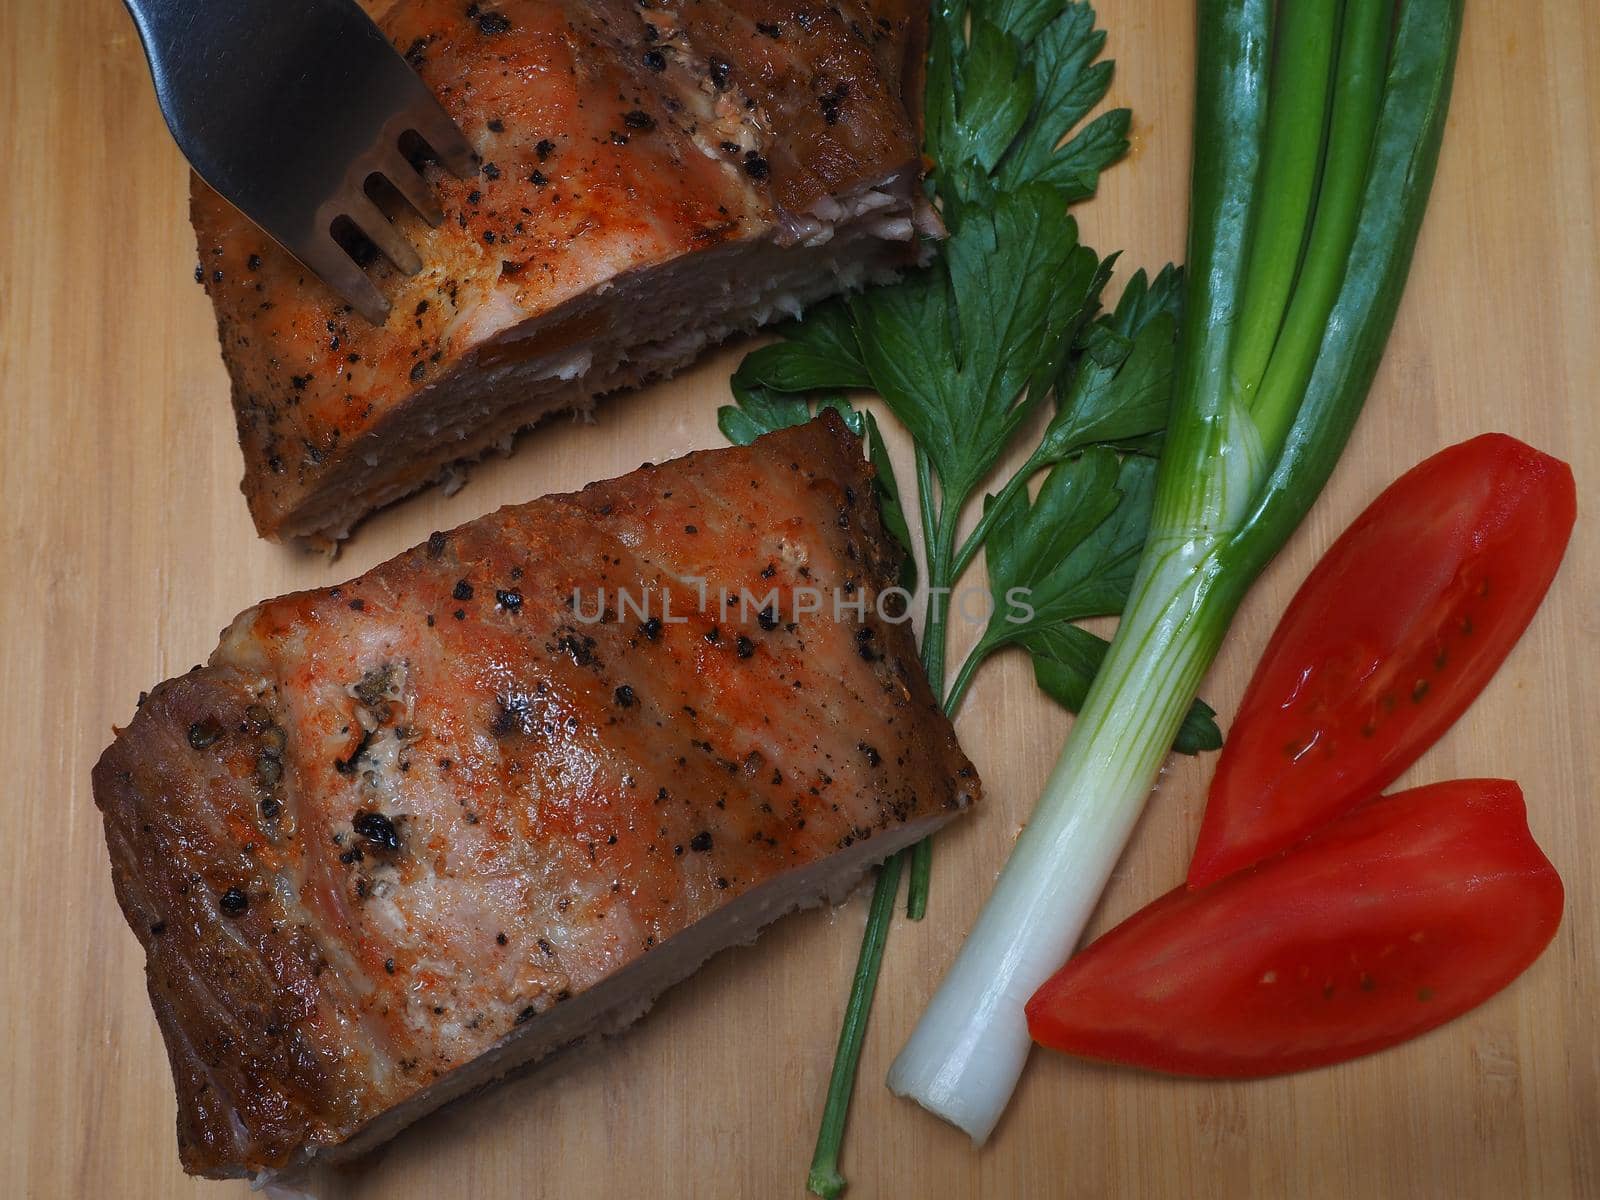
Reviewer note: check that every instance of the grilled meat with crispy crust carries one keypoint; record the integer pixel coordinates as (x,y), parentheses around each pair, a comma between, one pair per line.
(405,834)
(654,178)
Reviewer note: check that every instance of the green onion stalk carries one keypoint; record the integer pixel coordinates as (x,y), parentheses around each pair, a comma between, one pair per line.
(1317,132)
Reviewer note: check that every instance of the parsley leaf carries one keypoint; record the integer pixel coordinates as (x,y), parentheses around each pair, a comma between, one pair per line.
(1068,82)
(1071,553)
(997,96)
(1002,102)
(757,410)
(817,353)
(1117,390)
(954,348)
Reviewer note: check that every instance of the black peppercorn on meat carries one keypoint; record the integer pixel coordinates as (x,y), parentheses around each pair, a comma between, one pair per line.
(654,177)
(403,835)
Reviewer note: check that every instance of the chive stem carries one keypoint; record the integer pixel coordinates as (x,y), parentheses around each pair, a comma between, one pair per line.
(925,498)
(941,550)
(978,655)
(921,875)
(824,1179)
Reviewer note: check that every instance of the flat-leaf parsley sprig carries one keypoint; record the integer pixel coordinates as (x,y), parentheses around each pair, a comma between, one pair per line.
(963,352)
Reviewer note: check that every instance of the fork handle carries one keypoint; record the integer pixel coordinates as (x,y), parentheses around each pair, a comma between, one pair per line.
(213,60)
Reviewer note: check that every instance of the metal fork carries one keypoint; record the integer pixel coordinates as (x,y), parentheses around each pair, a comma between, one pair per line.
(294,113)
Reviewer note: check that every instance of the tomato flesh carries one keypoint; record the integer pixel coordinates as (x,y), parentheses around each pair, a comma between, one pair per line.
(1390,638)
(1392,920)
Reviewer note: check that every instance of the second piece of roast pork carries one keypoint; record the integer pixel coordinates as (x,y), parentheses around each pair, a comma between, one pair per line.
(654,178)
(403,835)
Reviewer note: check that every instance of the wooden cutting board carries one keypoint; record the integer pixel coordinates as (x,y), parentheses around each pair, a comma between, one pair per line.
(126,548)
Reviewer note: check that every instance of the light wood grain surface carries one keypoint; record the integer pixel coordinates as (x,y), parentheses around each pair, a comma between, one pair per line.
(126,547)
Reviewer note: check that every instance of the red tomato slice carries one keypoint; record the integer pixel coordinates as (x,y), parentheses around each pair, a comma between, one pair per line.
(1398,917)
(1390,638)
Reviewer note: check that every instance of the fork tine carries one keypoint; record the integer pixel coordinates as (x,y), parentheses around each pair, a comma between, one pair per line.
(392,165)
(369,218)
(367,93)
(328,260)
(434,126)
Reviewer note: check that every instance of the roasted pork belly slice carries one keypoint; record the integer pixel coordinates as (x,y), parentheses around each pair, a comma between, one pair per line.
(654,178)
(405,834)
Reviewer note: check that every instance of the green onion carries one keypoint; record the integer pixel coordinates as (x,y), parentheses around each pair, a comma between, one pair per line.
(1242,462)
(1300,81)
(1363,49)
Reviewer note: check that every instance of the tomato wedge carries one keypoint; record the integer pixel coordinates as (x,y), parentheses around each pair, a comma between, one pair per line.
(1390,638)
(1396,918)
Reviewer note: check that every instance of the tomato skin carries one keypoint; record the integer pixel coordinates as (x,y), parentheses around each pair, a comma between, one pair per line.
(1397,918)
(1390,638)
